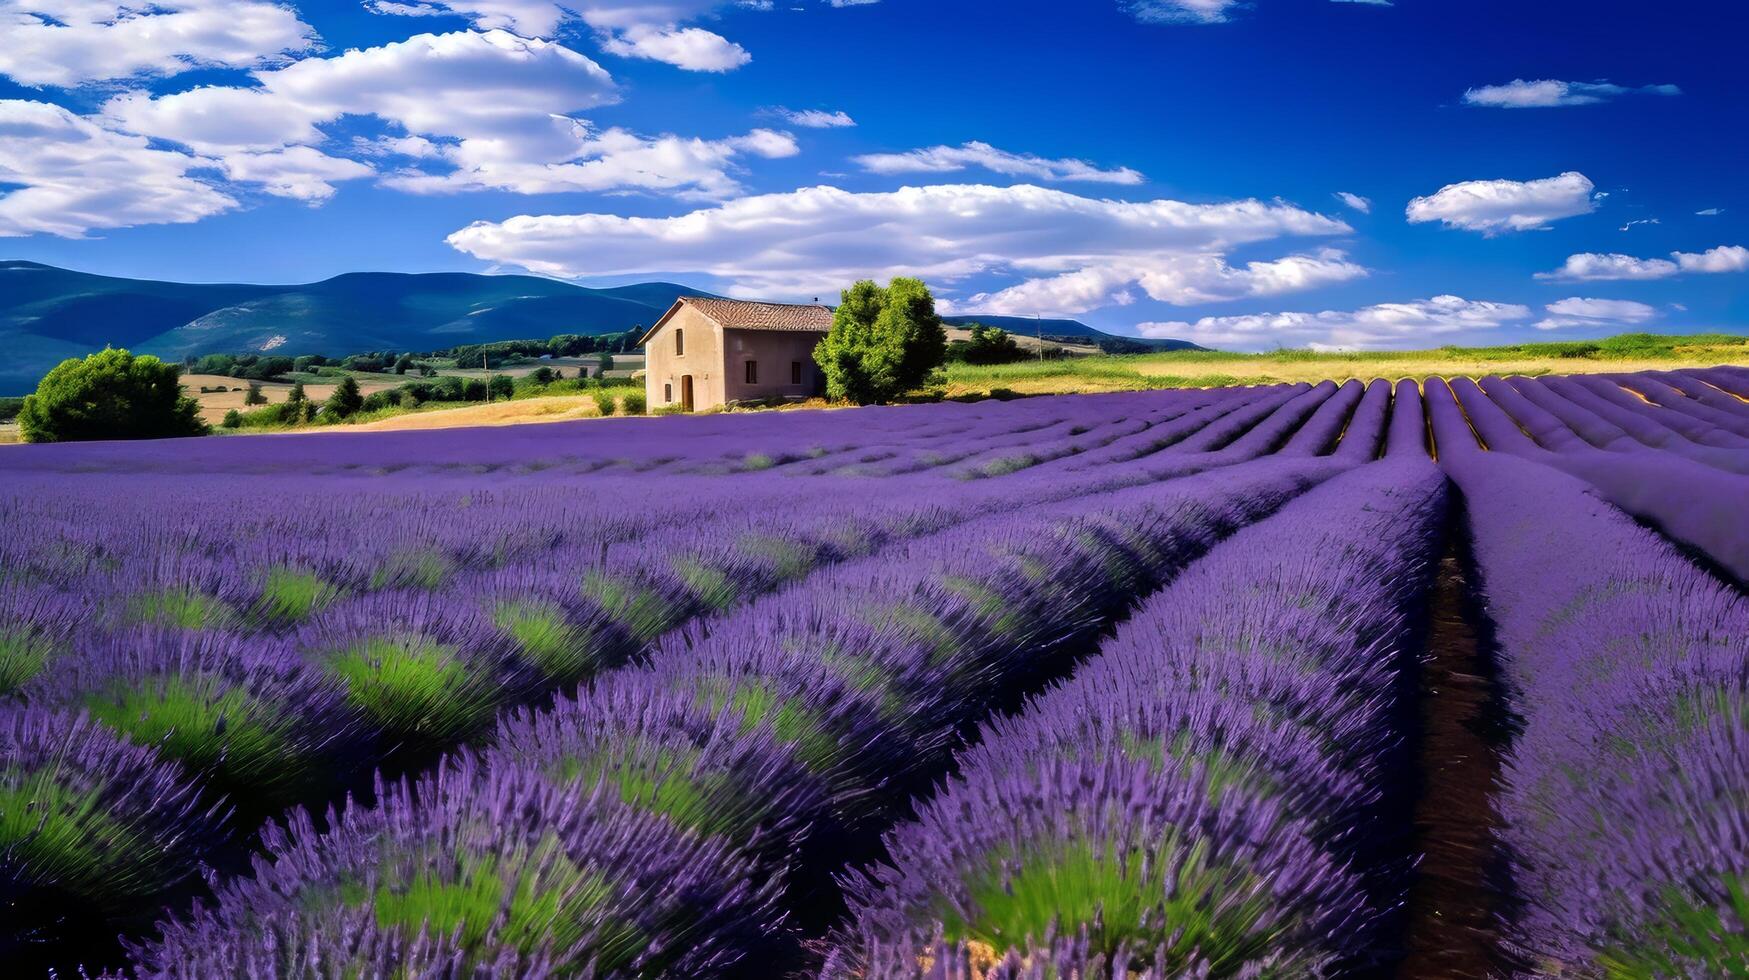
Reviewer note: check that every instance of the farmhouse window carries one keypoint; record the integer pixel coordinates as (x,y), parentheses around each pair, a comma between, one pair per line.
(752,372)
(667,393)
(795,372)
(679,342)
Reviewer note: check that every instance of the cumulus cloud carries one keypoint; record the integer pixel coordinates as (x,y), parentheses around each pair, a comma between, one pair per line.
(298,172)
(1578,311)
(950,159)
(1495,206)
(1382,326)
(470,110)
(813,118)
(1179,11)
(1725,258)
(1600,267)
(1181,280)
(73,177)
(1355,201)
(691,48)
(73,42)
(814,240)
(1549,93)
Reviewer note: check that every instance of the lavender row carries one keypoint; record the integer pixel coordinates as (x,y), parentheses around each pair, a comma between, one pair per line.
(769,737)
(264,724)
(1693,503)
(1207,796)
(1627,781)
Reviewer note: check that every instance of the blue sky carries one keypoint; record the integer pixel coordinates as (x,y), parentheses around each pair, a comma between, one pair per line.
(1272,172)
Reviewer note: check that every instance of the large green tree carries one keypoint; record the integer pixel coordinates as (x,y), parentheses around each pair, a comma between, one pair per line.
(883,341)
(345,400)
(110,395)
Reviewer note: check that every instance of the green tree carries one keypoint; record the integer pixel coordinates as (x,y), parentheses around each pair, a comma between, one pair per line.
(297,393)
(883,341)
(254,397)
(475,390)
(500,386)
(988,345)
(344,401)
(233,419)
(110,395)
(606,363)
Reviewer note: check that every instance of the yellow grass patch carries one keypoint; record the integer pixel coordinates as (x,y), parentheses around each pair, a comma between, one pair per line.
(557,408)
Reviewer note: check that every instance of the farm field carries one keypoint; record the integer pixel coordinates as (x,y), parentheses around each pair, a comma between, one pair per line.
(1295,679)
(1212,369)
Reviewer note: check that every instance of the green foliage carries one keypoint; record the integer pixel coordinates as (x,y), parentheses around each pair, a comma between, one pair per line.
(9,408)
(344,401)
(500,386)
(606,363)
(988,345)
(415,690)
(183,608)
(297,393)
(23,655)
(235,739)
(233,419)
(293,595)
(1683,931)
(110,395)
(1163,896)
(542,375)
(475,390)
(883,341)
(254,397)
(633,402)
(564,653)
(67,836)
(604,403)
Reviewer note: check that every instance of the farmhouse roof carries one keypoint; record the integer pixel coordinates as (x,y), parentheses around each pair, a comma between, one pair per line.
(737,314)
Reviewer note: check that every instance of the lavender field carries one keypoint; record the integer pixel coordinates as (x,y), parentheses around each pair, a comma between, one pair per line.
(1357,680)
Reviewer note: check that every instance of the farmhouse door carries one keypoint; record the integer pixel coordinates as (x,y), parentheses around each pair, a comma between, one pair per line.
(686,393)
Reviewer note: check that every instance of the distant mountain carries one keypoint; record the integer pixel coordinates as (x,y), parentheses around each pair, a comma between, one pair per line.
(1063,329)
(49,314)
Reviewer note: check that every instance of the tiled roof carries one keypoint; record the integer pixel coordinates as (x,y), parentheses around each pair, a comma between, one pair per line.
(742,315)
(737,314)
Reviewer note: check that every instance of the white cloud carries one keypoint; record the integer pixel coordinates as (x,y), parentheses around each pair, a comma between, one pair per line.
(75,177)
(1725,258)
(1599,267)
(1355,201)
(1179,279)
(1577,311)
(1383,326)
(1495,206)
(1180,11)
(815,240)
(472,110)
(691,48)
(297,172)
(1549,93)
(1641,221)
(1711,212)
(813,118)
(951,159)
(73,42)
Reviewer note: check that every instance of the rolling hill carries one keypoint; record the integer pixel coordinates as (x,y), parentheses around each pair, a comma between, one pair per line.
(48,314)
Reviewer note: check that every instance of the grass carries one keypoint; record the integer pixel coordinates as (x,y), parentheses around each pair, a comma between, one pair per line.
(1210,369)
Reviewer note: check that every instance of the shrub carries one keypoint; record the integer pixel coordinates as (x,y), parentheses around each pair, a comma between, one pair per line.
(883,341)
(988,345)
(604,402)
(542,376)
(233,419)
(500,386)
(606,362)
(254,397)
(110,395)
(634,403)
(475,390)
(344,401)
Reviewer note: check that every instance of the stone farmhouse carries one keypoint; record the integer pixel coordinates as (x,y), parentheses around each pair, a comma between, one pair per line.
(708,352)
